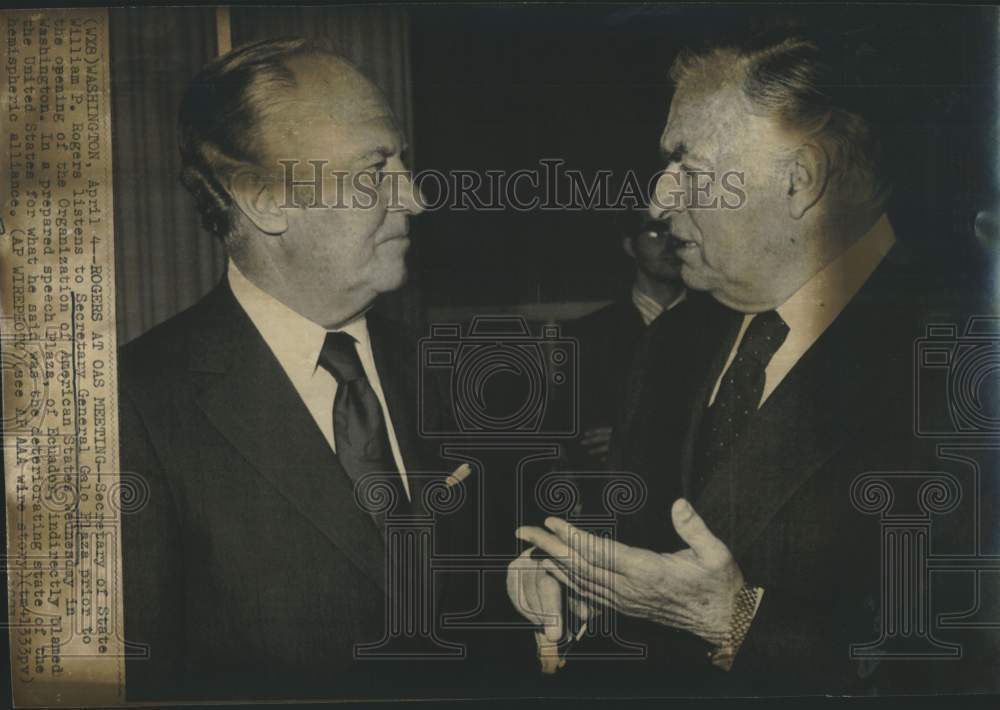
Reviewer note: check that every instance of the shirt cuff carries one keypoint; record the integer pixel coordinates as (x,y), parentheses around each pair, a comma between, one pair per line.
(747,603)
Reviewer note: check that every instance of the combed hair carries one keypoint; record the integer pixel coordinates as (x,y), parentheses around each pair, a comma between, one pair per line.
(804,83)
(220,119)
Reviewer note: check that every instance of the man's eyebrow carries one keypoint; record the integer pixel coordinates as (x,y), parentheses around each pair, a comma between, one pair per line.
(383,151)
(679,152)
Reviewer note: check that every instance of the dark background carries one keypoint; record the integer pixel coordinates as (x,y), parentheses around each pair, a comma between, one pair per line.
(502,87)
(505,87)
(497,87)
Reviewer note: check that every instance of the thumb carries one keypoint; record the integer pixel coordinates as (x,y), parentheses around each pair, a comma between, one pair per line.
(693,531)
(550,596)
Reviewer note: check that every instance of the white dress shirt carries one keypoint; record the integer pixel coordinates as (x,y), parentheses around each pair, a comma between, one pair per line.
(811,309)
(296,342)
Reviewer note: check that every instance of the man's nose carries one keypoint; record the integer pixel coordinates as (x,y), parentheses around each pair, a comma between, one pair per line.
(668,195)
(411,199)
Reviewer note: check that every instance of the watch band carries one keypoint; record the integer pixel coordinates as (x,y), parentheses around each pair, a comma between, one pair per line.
(747,602)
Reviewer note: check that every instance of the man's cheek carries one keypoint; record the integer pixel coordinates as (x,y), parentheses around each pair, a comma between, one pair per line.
(364,195)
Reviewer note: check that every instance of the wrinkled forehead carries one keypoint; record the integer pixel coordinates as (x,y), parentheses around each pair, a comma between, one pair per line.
(336,90)
(706,117)
(332,112)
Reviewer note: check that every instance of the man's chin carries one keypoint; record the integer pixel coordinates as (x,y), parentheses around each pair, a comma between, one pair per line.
(695,278)
(394,278)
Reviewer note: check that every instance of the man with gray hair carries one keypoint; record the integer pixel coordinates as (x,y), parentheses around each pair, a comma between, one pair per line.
(253,570)
(754,566)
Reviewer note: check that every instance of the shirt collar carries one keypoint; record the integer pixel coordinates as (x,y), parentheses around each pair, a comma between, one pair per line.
(294,339)
(811,309)
(649,308)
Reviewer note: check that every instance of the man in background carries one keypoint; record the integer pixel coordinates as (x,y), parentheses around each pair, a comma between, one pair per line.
(609,337)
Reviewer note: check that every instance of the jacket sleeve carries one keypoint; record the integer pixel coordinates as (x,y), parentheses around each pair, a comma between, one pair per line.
(795,645)
(809,642)
(152,566)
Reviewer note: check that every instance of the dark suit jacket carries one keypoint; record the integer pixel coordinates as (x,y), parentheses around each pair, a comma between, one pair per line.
(607,339)
(782,500)
(612,341)
(251,571)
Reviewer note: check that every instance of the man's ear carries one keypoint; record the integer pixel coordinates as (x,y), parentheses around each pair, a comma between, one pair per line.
(628,246)
(253,195)
(808,174)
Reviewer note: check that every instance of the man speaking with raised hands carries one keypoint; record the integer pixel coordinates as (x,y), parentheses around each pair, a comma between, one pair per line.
(752,566)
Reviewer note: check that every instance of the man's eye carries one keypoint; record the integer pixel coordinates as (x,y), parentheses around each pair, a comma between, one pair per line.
(377,172)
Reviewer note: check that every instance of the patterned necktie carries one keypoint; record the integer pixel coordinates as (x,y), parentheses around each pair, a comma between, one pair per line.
(359,430)
(739,394)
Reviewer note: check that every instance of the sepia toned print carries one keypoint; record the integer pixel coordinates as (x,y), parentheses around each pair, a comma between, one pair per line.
(392,352)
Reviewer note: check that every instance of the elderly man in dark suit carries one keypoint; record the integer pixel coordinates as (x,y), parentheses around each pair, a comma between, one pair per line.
(754,565)
(254,571)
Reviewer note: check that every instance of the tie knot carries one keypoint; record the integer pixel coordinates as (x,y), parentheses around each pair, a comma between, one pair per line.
(765,334)
(339,357)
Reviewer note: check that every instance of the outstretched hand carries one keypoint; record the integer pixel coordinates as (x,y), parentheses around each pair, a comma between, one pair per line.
(693,590)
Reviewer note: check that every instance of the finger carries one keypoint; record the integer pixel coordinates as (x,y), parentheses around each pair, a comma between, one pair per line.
(602,552)
(523,595)
(544,541)
(597,593)
(693,531)
(548,654)
(535,594)
(550,601)
(567,559)
(587,610)
(582,608)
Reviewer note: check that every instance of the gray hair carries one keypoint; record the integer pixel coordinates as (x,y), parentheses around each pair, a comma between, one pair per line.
(220,118)
(795,80)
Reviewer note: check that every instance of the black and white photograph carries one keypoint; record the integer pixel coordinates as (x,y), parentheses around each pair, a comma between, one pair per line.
(509,352)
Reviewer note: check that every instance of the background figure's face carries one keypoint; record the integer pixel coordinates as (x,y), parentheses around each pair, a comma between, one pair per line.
(741,250)
(337,259)
(655,253)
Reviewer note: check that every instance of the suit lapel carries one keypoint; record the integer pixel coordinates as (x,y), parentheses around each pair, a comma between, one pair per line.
(826,398)
(396,359)
(394,370)
(255,407)
(806,419)
(395,367)
(710,352)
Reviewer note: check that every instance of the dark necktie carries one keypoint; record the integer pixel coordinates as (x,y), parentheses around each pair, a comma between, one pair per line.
(359,429)
(739,394)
